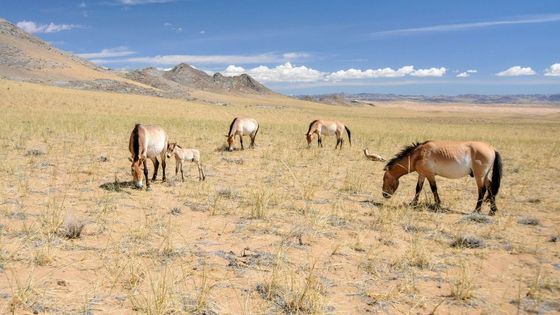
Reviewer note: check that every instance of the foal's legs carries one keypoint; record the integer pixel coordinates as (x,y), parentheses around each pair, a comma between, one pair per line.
(419,185)
(433,186)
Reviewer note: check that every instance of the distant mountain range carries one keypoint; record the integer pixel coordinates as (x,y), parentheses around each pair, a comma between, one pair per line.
(371,98)
(24,57)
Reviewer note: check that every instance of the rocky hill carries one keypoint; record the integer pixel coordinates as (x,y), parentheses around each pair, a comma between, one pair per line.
(25,57)
(183,78)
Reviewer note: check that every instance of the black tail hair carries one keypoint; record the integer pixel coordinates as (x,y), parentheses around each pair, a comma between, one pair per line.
(231,126)
(257,131)
(135,142)
(349,135)
(496,174)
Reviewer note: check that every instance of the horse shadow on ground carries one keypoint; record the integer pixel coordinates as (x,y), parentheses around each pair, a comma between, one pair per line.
(117,186)
(431,207)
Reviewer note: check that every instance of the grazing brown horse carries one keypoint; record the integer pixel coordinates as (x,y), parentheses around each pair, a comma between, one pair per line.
(451,160)
(146,142)
(240,127)
(329,128)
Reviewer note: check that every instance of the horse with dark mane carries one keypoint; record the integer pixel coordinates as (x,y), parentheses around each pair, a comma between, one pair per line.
(451,160)
(146,142)
(328,128)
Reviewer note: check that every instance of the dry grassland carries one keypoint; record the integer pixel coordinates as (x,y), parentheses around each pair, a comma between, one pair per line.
(277,229)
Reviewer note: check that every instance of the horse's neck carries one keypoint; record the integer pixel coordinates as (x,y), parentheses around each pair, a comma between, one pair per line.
(405,166)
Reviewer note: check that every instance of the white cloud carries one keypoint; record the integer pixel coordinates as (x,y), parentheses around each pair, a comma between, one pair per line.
(553,70)
(172,27)
(467,73)
(289,73)
(467,26)
(295,55)
(370,73)
(431,72)
(32,27)
(120,51)
(516,72)
(282,73)
(171,60)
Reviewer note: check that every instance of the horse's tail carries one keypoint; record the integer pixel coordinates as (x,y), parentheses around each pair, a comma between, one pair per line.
(135,142)
(349,135)
(231,126)
(496,174)
(311,125)
(257,131)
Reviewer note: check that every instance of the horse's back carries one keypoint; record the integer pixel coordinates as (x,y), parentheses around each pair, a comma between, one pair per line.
(455,159)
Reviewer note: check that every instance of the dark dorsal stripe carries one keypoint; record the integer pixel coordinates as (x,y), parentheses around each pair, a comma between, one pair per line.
(231,126)
(311,124)
(136,142)
(406,151)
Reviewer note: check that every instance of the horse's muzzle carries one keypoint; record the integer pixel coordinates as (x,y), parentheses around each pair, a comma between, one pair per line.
(386,195)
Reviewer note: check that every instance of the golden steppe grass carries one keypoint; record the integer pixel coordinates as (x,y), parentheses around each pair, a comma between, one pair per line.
(280,228)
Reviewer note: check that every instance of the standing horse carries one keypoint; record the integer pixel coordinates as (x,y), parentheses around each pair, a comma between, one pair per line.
(329,128)
(146,142)
(192,155)
(241,127)
(450,160)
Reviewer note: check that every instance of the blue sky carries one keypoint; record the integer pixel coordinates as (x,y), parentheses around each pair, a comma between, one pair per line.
(299,47)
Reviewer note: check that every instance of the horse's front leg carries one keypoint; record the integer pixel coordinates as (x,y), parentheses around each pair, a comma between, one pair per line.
(319,141)
(146,175)
(419,185)
(241,141)
(156,167)
(433,186)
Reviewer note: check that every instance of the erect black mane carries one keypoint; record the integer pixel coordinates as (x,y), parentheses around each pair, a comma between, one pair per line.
(406,151)
(135,142)
(311,124)
(231,126)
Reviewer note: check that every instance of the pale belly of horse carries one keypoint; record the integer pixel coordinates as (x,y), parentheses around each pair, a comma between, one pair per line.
(249,128)
(154,150)
(328,130)
(452,170)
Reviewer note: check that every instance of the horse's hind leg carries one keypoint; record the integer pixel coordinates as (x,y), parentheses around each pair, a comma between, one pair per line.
(433,186)
(481,193)
(163,165)
(491,198)
(419,186)
(253,136)
(156,167)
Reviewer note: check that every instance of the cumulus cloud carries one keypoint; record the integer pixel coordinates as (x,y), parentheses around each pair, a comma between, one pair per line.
(553,70)
(290,73)
(516,71)
(32,27)
(431,72)
(120,51)
(467,73)
(370,73)
(282,73)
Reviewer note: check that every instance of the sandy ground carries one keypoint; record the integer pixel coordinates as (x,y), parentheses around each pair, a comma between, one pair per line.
(277,229)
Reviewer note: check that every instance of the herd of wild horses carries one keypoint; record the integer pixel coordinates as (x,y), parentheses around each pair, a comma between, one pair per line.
(449,159)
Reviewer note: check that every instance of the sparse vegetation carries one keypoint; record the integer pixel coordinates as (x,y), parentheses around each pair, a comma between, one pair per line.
(208,247)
